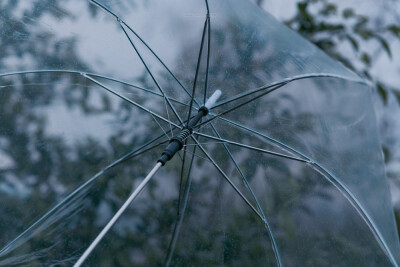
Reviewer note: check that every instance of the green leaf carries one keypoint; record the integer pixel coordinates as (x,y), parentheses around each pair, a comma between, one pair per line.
(366,34)
(302,8)
(361,21)
(352,41)
(348,13)
(396,93)
(395,30)
(382,92)
(366,58)
(329,9)
(386,153)
(330,27)
(366,74)
(385,46)
(325,44)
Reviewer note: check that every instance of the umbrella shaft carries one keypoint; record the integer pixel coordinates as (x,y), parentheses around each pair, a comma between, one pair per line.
(203,111)
(117,215)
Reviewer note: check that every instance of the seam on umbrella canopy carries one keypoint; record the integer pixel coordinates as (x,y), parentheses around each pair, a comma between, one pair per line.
(286,81)
(220,103)
(77,72)
(181,214)
(197,70)
(227,178)
(151,74)
(143,42)
(247,184)
(225,141)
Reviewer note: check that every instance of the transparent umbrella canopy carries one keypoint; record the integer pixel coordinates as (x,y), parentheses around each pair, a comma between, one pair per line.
(285,169)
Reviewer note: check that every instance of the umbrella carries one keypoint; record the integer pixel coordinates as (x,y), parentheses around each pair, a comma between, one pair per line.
(283,169)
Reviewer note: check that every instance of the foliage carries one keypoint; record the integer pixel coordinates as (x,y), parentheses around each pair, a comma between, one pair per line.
(334,31)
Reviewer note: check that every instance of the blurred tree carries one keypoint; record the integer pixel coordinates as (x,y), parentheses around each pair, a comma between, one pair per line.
(335,30)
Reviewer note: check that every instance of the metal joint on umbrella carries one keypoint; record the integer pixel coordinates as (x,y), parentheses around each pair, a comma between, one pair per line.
(177,141)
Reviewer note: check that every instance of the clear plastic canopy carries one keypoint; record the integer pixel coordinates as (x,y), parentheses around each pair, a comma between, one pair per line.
(286,169)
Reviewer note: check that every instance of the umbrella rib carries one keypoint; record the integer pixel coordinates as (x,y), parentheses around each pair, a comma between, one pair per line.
(227,179)
(333,180)
(134,153)
(93,75)
(150,73)
(153,115)
(162,128)
(169,118)
(122,23)
(239,105)
(180,213)
(270,139)
(208,50)
(205,143)
(197,156)
(247,184)
(197,69)
(130,101)
(178,224)
(289,80)
(240,96)
(87,76)
(134,86)
(357,206)
(181,179)
(144,43)
(159,59)
(137,87)
(79,73)
(284,82)
(253,148)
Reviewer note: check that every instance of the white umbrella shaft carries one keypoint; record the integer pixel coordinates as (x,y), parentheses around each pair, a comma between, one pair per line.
(117,215)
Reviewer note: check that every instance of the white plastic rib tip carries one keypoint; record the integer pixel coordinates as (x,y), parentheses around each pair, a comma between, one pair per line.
(213,99)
